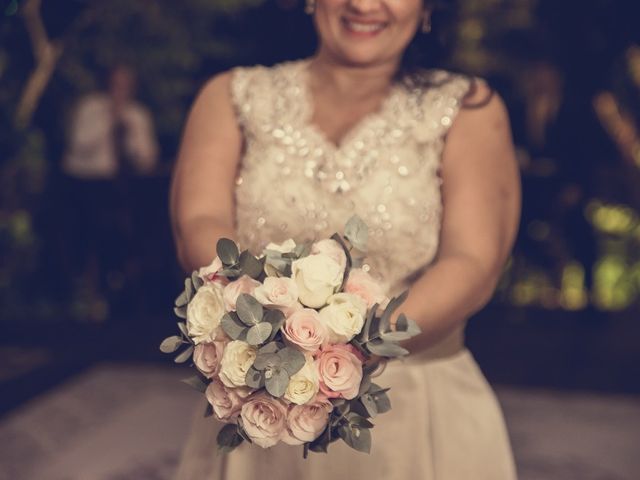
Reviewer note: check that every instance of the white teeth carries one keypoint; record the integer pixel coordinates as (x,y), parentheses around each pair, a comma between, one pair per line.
(364,27)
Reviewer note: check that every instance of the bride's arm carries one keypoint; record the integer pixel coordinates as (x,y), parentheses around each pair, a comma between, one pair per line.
(482,199)
(201,198)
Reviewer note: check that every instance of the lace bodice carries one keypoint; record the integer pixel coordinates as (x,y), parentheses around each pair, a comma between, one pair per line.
(295,183)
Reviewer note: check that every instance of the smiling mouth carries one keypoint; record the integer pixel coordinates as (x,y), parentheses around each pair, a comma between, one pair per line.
(363,28)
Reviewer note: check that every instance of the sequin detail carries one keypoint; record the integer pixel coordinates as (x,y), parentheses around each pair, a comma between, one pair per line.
(296,183)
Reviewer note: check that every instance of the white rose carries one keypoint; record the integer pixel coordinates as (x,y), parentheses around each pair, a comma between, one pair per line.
(317,276)
(304,384)
(279,292)
(331,248)
(284,247)
(204,312)
(236,360)
(344,316)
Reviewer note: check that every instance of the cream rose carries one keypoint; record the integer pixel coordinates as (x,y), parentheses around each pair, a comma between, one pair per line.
(305,330)
(340,371)
(304,384)
(332,249)
(278,292)
(362,284)
(317,277)
(305,423)
(344,316)
(204,312)
(207,356)
(226,402)
(244,284)
(236,360)
(264,419)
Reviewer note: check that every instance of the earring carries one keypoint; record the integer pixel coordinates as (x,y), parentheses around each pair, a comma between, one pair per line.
(426,23)
(310,7)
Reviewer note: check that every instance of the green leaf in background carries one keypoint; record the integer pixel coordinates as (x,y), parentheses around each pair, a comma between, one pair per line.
(229,438)
(276,381)
(364,384)
(407,325)
(185,355)
(383,403)
(271,347)
(276,319)
(249,310)
(183,328)
(259,333)
(357,232)
(195,382)
(368,402)
(227,251)
(356,437)
(232,326)
(266,360)
(250,265)
(358,420)
(292,360)
(394,303)
(171,344)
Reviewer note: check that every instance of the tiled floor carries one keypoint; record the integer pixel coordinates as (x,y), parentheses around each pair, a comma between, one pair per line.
(117,422)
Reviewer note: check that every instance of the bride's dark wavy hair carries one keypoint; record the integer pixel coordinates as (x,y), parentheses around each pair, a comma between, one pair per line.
(431,50)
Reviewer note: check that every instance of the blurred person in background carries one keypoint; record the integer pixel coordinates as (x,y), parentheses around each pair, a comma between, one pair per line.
(111,139)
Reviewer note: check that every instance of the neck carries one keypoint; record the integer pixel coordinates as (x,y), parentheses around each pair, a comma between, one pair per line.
(352,79)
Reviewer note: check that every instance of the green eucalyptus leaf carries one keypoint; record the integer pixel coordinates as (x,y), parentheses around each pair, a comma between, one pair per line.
(358,407)
(407,325)
(249,310)
(228,438)
(397,336)
(189,290)
(183,328)
(242,432)
(369,403)
(383,403)
(185,355)
(364,384)
(208,411)
(275,318)
(232,326)
(345,277)
(230,273)
(196,280)
(171,344)
(277,383)
(355,419)
(254,378)
(195,382)
(267,360)
(394,303)
(180,312)
(271,347)
(364,334)
(357,232)
(227,251)
(321,444)
(386,349)
(292,360)
(259,333)
(357,438)
(375,388)
(182,299)
(250,265)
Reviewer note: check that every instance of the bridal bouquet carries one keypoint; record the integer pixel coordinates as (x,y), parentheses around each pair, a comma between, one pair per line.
(285,344)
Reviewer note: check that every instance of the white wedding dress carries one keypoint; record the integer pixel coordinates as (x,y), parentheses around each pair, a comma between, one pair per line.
(445,422)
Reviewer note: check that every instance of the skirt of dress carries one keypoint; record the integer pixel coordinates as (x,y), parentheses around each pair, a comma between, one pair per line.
(445,424)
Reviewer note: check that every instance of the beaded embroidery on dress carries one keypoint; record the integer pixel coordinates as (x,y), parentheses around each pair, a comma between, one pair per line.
(385,169)
(293,182)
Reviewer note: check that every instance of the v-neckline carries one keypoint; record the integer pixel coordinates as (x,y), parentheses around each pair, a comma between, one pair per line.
(353,132)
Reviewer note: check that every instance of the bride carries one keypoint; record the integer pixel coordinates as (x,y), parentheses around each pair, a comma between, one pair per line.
(292,151)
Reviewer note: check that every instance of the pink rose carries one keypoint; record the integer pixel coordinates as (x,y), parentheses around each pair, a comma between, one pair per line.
(340,371)
(207,358)
(332,249)
(306,422)
(244,284)
(279,292)
(362,284)
(305,330)
(210,273)
(226,402)
(264,419)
